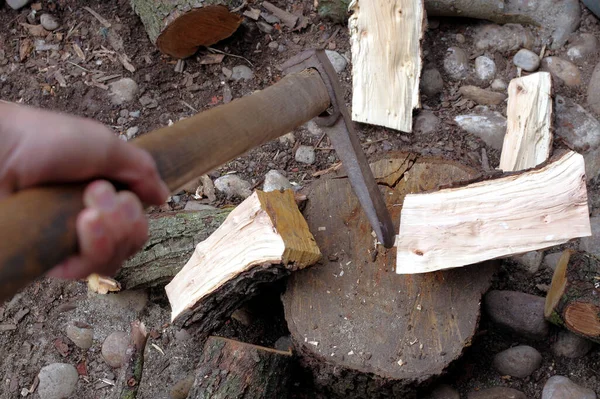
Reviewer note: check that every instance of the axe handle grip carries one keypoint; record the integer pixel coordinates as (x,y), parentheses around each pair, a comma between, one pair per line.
(38,224)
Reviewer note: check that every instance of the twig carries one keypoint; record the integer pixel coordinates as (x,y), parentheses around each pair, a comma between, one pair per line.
(214,50)
(320,140)
(244,4)
(332,168)
(131,373)
(99,17)
(189,106)
(79,66)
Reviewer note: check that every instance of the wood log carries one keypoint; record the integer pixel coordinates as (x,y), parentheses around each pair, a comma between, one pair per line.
(361,329)
(232,369)
(528,138)
(263,239)
(179,27)
(573,300)
(511,215)
(172,239)
(386,61)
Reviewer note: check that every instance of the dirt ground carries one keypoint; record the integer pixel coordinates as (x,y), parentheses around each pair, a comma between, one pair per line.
(41,313)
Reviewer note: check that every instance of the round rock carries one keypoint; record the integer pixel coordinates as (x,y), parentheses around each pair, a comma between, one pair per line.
(305,154)
(426,123)
(571,346)
(122,91)
(559,387)
(499,85)
(497,393)
(519,312)
(519,361)
(233,186)
(431,82)
(527,60)
(456,63)
(563,70)
(241,72)
(485,68)
(81,334)
(49,22)
(489,126)
(57,381)
(17,4)
(275,181)
(582,47)
(114,348)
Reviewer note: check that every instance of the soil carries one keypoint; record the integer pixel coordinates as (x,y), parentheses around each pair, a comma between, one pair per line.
(39,336)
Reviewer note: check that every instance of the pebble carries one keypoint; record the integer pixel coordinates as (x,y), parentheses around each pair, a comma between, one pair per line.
(593,94)
(135,114)
(531,261)
(57,381)
(559,387)
(431,82)
(124,113)
(488,126)
(148,102)
(132,132)
(482,96)
(305,154)
(114,348)
(574,124)
(551,260)
(456,63)
(240,72)
(444,391)
(499,85)
(508,37)
(338,61)
(122,91)
(81,334)
(485,68)
(519,361)
(582,47)
(497,393)
(49,22)
(17,4)
(284,343)
(233,186)
(426,123)
(563,70)
(122,121)
(273,45)
(571,345)
(592,244)
(275,181)
(288,138)
(519,312)
(181,389)
(460,38)
(527,60)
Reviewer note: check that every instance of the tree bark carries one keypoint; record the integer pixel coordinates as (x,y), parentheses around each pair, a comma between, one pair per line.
(573,300)
(231,369)
(179,27)
(131,372)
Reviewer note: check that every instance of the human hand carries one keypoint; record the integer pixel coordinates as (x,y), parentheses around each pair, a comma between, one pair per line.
(41,147)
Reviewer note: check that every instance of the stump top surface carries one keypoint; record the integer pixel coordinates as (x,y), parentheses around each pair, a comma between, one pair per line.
(353,310)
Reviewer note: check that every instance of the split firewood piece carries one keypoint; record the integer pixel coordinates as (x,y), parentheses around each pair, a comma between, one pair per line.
(253,371)
(573,300)
(386,57)
(528,138)
(532,210)
(131,372)
(263,239)
(179,27)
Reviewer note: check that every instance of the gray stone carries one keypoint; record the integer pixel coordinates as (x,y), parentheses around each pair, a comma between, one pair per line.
(431,82)
(49,22)
(575,125)
(57,381)
(81,334)
(233,186)
(509,37)
(518,312)
(132,132)
(593,94)
(497,393)
(124,113)
(305,154)
(135,114)
(122,91)
(241,72)
(482,96)
(426,123)
(527,60)
(499,85)
(444,391)
(460,38)
(559,387)
(181,389)
(571,345)
(148,102)
(592,164)
(530,261)
(288,138)
(551,260)
(275,181)
(520,361)
(563,70)
(114,348)
(284,343)
(456,63)
(592,244)
(489,126)
(313,128)
(338,61)
(485,68)
(17,4)
(582,47)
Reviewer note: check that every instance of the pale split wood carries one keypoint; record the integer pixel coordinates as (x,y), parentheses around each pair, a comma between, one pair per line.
(511,215)
(386,57)
(528,138)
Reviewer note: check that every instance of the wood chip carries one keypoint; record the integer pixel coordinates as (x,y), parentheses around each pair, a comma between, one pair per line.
(7,327)
(252,13)
(25,48)
(35,30)
(210,59)
(78,51)
(126,63)
(60,79)
(99,17)
(288,19)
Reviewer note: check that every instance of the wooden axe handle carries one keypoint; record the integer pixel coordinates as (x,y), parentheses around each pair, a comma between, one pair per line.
(38,224)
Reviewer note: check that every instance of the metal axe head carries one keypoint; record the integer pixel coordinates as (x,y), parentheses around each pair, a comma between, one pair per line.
(339,127)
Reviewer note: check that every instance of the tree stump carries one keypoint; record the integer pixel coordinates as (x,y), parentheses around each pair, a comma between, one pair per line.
(573,300)
(179,27)
(364,330)
(232,369)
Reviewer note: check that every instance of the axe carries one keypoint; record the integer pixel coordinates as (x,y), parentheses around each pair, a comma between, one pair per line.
(40,222)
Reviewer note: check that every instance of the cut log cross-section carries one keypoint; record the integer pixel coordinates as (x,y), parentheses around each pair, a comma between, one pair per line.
(364,331)
(573,300)
(179,27)
(262,240)
(386,57)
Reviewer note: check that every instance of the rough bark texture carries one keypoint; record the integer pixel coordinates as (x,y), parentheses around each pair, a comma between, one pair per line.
(172,239)
(363,330)
(231,369)
(573,300)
